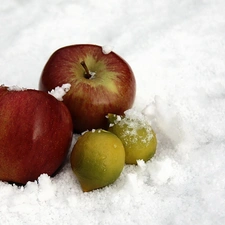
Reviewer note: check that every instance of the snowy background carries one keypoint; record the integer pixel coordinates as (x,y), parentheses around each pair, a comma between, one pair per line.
(177,52)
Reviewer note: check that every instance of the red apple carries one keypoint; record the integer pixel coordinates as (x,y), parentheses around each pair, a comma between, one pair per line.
(100,83)
(35,134)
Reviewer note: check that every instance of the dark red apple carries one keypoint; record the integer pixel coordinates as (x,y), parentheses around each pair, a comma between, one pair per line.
(100,83)
(35,134)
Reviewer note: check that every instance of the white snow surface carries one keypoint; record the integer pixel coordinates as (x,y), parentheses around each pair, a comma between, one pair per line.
(177,52)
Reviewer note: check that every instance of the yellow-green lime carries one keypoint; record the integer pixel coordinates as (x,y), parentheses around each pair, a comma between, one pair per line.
(97,159)
(137,136)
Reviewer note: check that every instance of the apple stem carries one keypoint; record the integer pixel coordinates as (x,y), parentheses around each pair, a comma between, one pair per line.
(87,72)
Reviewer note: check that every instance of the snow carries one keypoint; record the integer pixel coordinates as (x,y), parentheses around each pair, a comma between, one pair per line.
(92,74)
(131,124)
(106,49)
(59,92)
(176,51)
(15,88)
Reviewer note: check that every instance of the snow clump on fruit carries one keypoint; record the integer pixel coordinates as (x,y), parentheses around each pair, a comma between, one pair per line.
(135,121)
(16,88)
(59,92)
(106,49)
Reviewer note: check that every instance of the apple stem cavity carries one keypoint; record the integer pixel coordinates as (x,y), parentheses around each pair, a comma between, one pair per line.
(88,74)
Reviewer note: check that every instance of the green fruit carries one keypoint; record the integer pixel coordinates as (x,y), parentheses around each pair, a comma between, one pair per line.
(137,136)
(97,159)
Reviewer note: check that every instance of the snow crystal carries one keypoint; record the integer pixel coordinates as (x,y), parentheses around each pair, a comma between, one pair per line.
(92,74)
(59,92)
(16,88)
(118,118)
(84,132)
(106,49)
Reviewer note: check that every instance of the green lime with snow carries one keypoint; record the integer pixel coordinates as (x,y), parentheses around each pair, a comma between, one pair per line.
(136,134)
(97,159)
